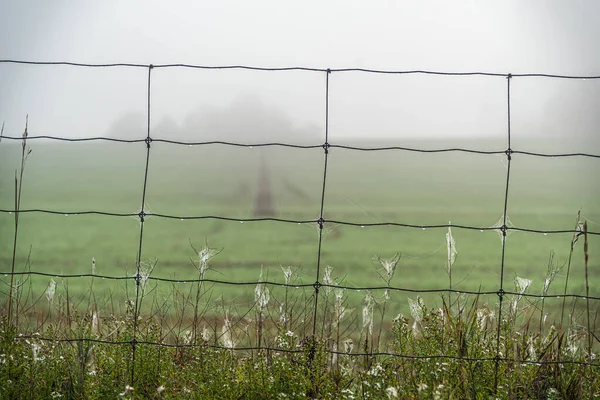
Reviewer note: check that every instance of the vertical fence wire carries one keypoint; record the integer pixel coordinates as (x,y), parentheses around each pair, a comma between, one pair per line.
(503,230)
(139,279)
(321,223)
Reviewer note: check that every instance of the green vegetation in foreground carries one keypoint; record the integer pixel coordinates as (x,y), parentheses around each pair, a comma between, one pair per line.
(445,356)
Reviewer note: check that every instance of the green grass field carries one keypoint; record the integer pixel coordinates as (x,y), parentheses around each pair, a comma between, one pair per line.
(361,187)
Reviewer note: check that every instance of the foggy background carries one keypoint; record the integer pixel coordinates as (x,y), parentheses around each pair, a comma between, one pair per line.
(518,37)
(365,109)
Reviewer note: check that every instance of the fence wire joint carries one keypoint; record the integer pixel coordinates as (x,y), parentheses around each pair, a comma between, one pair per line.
(500,294)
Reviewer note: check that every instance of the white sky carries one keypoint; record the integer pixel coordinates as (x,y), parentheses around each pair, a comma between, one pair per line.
(559,37)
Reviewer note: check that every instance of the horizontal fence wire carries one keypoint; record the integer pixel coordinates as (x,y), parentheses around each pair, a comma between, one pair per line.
(309,285)
(299,68)
(300,351)
(304,221)
(139,278)
(313,146)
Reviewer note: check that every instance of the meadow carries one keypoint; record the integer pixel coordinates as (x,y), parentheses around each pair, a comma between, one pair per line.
(204,326)
(361,188)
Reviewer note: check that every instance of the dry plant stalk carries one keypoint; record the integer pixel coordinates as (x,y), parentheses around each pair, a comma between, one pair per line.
(575,236)
(25,151)
(587,284)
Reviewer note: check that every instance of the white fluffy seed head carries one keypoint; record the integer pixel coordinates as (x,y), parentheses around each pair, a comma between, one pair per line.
(451,246)
(205,334)
(287,274)
(389,265)
(391,392)
(340,310)
(204,256)
(522,284)
(261,293)
(226,336)
(95,328)
(51,290)
(327,279)
(416,310)
(348,346)
(368,306)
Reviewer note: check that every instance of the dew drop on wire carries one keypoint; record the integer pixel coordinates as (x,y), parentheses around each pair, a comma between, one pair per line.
(481,230)
(66,215)
(241,222)
(362,226)
(545,233)
(423,228)
(181,219)
(10,213)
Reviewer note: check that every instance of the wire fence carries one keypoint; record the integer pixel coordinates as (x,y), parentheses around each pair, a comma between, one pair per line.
(321,222)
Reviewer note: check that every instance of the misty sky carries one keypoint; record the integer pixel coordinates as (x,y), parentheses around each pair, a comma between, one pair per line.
(557,37)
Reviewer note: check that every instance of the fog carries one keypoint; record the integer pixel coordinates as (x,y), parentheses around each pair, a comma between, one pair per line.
(245,120)
(256,106)
(201,193)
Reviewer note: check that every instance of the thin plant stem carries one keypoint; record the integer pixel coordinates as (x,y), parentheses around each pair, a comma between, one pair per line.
(587,285)
(562,312)
(382,315)
(18,186)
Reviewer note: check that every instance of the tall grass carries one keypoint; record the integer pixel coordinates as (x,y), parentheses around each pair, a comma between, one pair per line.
(433,353)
